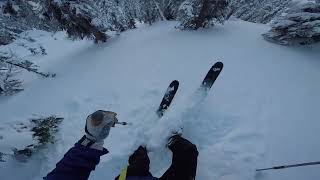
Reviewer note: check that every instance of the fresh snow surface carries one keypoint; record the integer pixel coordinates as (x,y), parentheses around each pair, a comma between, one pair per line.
(262,111)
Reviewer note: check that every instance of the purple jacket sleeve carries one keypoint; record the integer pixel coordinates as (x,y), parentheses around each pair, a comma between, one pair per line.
(76,164)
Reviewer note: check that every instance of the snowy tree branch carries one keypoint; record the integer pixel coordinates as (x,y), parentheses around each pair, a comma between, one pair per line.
(27,65)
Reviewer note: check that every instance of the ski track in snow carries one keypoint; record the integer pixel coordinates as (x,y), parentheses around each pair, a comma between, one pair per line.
(261,111)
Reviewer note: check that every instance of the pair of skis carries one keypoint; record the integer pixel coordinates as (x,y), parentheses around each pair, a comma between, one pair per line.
(205,86)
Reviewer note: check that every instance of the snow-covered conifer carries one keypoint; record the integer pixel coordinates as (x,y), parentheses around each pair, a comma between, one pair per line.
(194,14)
(75,18)
(18,16)
(130,8)
(170,8)
(8,83)
(149,11)
(258,11)
(300,26)
(109,15)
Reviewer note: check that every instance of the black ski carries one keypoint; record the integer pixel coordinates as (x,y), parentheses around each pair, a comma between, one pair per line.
(211,76)
(168,97)
(205,86)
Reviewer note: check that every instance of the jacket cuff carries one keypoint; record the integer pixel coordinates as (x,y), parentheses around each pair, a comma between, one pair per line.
(84,142)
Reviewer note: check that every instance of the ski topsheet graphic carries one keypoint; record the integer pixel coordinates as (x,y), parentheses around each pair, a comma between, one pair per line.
(212,75)
(168,97)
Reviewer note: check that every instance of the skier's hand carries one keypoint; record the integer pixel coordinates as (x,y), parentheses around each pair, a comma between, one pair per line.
(98,126)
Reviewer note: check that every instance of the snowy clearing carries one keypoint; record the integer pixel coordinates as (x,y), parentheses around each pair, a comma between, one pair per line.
(262,110)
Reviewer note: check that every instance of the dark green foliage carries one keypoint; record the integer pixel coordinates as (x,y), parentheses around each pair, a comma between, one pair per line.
(1,157)
(195,14)
(171,8)
(149,12)
(17,16)
(9,85)
(44,130)
(77,25)
(8,9)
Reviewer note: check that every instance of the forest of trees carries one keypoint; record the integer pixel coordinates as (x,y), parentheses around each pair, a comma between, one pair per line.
(291,22)
(92,18)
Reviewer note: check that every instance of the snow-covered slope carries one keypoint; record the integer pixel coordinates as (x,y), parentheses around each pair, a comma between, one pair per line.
(262,110)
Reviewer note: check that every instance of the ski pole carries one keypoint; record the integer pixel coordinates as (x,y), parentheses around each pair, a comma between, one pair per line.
(124,123)
(290,166)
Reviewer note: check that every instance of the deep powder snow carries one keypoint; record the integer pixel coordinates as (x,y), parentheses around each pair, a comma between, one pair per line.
(262,110)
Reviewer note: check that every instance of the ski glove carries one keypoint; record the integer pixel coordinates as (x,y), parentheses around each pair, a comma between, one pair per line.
(97,128)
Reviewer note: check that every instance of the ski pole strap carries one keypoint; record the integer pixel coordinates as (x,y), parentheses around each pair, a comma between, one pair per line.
(86,142)
(290,166)
(123,174)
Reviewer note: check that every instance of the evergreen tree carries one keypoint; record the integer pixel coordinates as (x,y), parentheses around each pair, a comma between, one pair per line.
(130,8)
(195,14)
(76,18)
(149,12)
(110,16)
(170,8)
(18,16)
(258,11)
(299,26)
(8,83)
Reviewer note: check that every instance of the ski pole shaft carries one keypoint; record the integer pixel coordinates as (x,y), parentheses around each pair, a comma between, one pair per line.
(290,166)
(124,123)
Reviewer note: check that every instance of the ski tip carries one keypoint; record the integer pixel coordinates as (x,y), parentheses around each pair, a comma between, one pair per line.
(174,82)
(218,64)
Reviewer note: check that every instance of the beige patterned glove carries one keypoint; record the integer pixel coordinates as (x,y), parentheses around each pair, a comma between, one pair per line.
(97,128)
